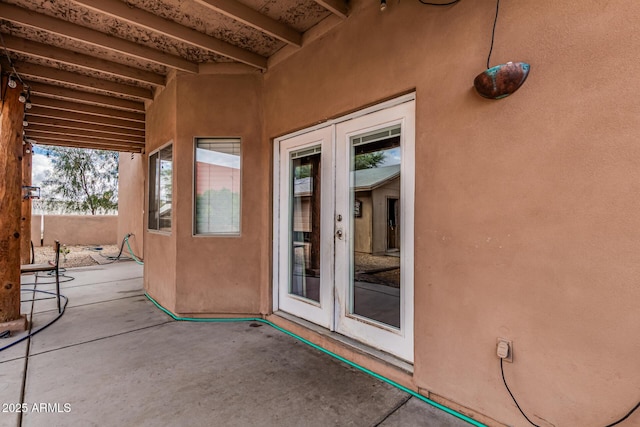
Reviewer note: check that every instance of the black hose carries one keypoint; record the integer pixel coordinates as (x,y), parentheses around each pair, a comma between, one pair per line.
(42,328)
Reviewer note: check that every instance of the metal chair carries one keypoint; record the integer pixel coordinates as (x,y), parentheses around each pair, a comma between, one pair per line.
(53,267)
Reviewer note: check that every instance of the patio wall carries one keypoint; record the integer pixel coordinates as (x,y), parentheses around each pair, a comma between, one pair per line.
(131,171)
(160,248)
(76,229)
(525,221)
(526,226)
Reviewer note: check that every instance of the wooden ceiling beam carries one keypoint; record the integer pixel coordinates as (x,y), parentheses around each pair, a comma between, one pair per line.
(34,135)
(40,101)
(36,71)
(87,35)
(83,126)
(94,146)
(81,96)
(251,17)
(68,57)
(337,7)
(80,117)
(51,130)
(141,18)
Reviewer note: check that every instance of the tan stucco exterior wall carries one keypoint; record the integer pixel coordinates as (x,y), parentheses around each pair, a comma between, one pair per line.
(526,226)
(131,185)
(160,248)
(75,229)
(219,274)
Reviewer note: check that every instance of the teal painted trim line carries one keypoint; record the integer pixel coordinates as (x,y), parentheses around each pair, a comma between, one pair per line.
(324,350)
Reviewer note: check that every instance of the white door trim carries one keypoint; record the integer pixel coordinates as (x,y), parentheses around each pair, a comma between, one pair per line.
(406,333)
(384,337)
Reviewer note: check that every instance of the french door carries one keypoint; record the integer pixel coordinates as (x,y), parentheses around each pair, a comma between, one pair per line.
(343,220)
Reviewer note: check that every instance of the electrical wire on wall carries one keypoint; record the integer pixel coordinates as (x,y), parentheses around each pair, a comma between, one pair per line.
(536,425)
(10,75)
(493,32)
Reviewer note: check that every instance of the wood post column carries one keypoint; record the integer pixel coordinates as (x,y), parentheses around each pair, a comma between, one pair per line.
(25,218)
(11,117)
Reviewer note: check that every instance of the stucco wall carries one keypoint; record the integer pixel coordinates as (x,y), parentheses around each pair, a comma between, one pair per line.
(218,274)
(526,225)
(131,185)
(36,227)
(75,229)
(160,248)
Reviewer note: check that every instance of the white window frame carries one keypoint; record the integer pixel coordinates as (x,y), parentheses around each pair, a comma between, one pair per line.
(195,233)
(156,185)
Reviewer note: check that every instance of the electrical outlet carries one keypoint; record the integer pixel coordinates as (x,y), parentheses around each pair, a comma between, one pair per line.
(504,349)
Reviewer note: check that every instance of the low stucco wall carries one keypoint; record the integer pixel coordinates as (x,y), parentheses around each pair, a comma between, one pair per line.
(131,200)
(75,229)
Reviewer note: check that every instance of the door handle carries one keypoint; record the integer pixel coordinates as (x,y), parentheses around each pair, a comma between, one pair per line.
(339,233)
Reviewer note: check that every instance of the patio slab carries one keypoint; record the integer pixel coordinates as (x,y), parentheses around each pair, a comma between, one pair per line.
(11,374)
(416,413)
(116,359)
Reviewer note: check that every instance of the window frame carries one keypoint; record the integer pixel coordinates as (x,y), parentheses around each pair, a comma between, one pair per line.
(156,185)
(194,232)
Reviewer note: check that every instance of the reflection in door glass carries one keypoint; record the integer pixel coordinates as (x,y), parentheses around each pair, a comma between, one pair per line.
(305,224)
(375,201)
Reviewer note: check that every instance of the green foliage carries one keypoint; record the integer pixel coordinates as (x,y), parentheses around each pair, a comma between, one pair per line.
(302,171)
(83,180)
(368,160)
(218,211)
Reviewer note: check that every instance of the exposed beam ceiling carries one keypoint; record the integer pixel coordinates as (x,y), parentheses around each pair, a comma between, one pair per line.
(93,66)
(337,7)
(96,110)
(44,130)
(85,97)
(117,9)
(255,19)
(54,123)
(91,63)
(35,71)
(80,117)
(93,37)
(86,143)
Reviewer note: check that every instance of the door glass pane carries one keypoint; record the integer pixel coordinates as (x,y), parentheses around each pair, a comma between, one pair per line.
(375,225)
(305,224)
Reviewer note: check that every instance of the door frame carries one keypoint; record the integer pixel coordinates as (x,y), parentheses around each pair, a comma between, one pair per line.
(277,266)
(397,341)
(320,312)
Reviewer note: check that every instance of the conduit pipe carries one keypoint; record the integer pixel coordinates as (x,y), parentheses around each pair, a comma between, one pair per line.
(324,350)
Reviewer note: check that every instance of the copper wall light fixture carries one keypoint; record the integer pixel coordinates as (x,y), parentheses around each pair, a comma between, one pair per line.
(502,80)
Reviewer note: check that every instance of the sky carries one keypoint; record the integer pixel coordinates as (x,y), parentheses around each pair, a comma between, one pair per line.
(40,164)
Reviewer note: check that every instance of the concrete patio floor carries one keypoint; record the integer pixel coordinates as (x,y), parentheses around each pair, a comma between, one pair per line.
(114,359)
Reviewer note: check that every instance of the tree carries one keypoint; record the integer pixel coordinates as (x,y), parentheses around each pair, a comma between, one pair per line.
(368,160)
(83,180)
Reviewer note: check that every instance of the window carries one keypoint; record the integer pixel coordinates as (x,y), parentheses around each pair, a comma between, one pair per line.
(160,189)
(217,186)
